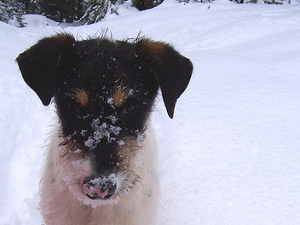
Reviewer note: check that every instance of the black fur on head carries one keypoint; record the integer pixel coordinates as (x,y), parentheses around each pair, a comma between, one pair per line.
(52,61)
(104,90)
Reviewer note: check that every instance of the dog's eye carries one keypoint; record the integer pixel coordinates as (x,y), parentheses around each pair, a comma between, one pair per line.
(73,106)
(129,107)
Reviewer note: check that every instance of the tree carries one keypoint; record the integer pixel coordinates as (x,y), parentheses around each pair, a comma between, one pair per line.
(146,4)
(59,10)
(97,9)
(11,12)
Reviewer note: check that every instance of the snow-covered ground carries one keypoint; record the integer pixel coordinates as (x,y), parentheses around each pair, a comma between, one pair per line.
(230,156)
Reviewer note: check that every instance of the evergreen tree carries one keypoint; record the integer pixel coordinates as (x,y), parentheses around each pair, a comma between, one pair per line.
(11,12)
(31,6)
(97,9)
(146,4)
(59,10)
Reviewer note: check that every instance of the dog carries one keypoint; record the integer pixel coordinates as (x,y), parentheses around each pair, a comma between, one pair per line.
(101,164)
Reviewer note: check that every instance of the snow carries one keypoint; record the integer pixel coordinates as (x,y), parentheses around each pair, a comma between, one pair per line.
(101,130)
(38,21)
(231,153)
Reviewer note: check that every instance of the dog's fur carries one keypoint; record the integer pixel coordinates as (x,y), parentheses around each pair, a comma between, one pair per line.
(101,162)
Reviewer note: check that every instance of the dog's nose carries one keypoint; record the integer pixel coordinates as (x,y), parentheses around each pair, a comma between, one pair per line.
(99,187)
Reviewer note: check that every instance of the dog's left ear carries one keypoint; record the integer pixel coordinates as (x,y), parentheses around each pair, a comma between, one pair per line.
(172,70)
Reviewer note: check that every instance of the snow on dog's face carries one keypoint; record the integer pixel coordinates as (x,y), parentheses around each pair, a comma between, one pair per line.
(104,91)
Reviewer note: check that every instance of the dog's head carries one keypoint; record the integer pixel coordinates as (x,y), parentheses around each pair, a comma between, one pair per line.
(104,91)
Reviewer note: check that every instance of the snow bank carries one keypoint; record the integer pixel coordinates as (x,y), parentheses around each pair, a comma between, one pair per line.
(38,21)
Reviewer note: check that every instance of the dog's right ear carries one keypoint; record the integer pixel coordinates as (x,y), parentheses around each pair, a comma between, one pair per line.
(39,64)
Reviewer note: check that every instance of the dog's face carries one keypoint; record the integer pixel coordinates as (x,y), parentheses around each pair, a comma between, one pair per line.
(104,91)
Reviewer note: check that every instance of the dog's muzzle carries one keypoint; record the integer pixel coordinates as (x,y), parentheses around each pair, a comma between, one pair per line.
(102,187)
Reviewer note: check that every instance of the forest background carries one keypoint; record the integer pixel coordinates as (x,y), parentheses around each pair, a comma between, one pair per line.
(83,11)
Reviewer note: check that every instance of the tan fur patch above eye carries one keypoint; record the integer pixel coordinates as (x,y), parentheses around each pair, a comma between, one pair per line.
(82,97)
(119,96)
